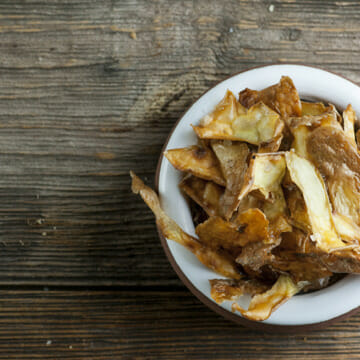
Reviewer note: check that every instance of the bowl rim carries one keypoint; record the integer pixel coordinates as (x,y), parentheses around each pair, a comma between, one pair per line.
(256,325)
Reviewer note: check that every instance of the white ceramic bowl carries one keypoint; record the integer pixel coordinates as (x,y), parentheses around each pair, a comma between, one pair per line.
(302,311)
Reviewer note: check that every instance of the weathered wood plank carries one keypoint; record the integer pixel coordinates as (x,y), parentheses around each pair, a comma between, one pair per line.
(148,325)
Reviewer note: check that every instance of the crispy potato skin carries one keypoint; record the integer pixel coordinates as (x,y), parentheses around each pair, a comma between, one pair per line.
(262,305)
(231,121)
(338,161)
(226,289)
(282,97)
(233,162)
(216,260)
(198,161)
(207,194)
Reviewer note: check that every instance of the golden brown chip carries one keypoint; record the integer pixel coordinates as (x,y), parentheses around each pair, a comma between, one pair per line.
(278,226)
(339,164)
(297,241)
(349,118)
(309,108)
(231,121)
(198,161)
(250,226)
(265,174)
(271,146)
(329,118)
(225,289)
(301,267)
(358,138)
(250,201)
(215,260)
(255,255)
(276,207)
(296,205)
(253,224)
(282,97)
(346,261)
(347,229)
(322,140)
(310,183)
(215,232)
(233,162)
(341,260)
(205,193)
(263,305)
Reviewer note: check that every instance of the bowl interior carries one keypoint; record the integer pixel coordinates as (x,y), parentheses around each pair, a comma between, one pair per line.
(312,83)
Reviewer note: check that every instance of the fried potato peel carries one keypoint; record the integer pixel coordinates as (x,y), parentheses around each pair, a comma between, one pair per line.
(262,305)
(214,260)
(309,108)
(233,163)
(347,229)
(310,183)
(265,174)
(198,161)
(250,226)
(338,161)
(226,289)
(231,121)
(282,98)
(349,118)
(296,205)
(205,193)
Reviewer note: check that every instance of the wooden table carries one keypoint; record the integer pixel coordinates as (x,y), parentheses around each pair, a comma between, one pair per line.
(90,90)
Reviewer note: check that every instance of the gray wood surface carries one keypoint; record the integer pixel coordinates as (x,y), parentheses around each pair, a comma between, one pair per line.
(90,90)
(153,325)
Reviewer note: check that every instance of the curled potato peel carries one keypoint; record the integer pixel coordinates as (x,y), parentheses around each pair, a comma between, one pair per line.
(262,305)
(218,262)
(231,121)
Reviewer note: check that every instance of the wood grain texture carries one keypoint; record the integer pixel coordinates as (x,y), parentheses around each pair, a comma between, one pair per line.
(148,325)
(90,90)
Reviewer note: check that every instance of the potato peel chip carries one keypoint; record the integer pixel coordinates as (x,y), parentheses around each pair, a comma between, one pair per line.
(301,267)
(250,226)
(256,254)
(198,161)
(231,121)
(233,162)
(282,97)
(345,261)
(347,229)
(338,161)
(216,261)
(254,224)
(263,305)
(297,207)
(310,183)
(271,146)
(265,174)
(226,289)
(309,108)
(358,138)
(349,118)
(329,118)
(205,193)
